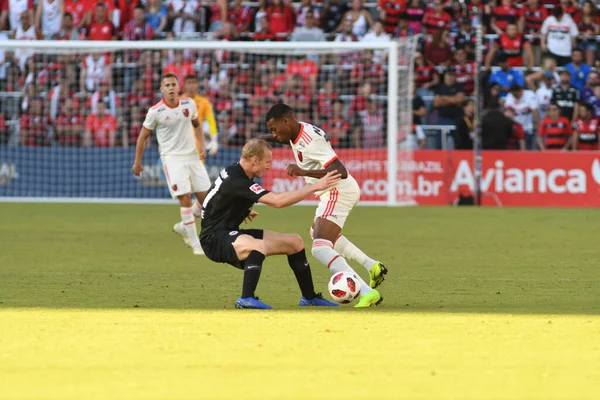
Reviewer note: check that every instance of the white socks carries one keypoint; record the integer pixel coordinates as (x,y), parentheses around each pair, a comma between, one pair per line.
(323,251)
(197,210)
(189,223)
(347,249)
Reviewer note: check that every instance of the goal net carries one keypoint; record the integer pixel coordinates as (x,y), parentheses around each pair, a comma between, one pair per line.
(71,112)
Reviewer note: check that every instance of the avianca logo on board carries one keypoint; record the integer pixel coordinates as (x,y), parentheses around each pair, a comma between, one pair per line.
(526,180)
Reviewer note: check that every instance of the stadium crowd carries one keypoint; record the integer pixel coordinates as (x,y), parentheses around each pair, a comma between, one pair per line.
(539,58)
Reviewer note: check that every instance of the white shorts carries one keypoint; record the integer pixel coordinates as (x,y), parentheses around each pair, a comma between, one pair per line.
(185,175)
(335,206)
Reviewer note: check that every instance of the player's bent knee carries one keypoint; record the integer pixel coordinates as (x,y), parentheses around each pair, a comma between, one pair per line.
(297,243)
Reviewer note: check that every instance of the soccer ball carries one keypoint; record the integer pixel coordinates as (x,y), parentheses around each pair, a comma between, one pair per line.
(344,287)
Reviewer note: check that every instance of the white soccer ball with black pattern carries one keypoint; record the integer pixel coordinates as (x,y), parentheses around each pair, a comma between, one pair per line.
(344,287)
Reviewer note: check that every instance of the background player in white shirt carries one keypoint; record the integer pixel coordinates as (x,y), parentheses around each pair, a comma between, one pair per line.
(172,118)
(315,158)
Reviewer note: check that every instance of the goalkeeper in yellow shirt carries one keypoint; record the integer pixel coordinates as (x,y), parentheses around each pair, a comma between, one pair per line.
(205,112)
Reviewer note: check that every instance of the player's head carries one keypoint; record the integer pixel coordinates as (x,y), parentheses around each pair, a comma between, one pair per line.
(256,157)
(190,84)
(586,110)
(281,122)
(169,86)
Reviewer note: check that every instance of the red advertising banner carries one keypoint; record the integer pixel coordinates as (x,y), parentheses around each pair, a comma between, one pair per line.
(436,177)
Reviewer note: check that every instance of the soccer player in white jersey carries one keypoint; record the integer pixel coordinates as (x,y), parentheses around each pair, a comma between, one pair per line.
(175,120)
(315,158)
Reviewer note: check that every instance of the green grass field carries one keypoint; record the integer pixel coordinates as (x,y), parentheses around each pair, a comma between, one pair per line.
(104,302)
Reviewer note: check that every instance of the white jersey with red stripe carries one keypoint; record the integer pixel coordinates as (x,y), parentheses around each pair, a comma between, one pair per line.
(313,152)
(173,126)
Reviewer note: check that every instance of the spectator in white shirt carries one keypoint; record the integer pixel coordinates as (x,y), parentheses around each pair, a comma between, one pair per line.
(559,33)
(310,32)
(525,104)
(377,35)
(544,93)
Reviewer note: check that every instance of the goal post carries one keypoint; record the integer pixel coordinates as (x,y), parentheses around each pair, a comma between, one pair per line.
(71,110)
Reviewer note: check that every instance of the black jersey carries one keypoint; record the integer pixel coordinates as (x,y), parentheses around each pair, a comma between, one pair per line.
(229,200)
(565,99)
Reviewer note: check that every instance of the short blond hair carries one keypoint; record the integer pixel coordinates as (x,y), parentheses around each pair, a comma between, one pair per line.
(255,148)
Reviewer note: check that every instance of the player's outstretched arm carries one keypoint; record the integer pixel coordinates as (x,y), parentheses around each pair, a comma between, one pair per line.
(140,146)
(279,200)
(335,166)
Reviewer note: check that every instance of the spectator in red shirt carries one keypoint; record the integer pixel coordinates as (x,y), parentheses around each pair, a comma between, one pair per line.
(218,14)
(415,13)
(571,8)
(127,9)
(503,15)
(426,77)
(465,71)
(59,94)
(35,124)
(438,50)
(359,102)
(281,19)
(4,136)
(390,12)
(101,28)
(139,97)
(514,45)
(263,34)
(337,125)
(69,125)
(180,67)
(307,68)
(532,16)
(240,16)
(137,29)
(295,95)
(262,98)
(436,19)
(555,131)
(585,136)
(135,126)
(100,129)
(517,139)
(367,70)
(324,101)
(371,133)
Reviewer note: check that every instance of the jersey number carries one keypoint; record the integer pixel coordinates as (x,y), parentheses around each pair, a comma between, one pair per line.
(320,132)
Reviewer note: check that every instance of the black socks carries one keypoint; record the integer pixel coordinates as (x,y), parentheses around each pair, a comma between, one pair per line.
(301,268)
(252,270)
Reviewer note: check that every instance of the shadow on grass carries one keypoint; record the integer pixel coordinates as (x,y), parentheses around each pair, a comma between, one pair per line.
(193,292)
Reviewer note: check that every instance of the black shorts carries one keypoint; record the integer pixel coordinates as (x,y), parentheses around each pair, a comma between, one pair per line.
(561,61)
(218,246)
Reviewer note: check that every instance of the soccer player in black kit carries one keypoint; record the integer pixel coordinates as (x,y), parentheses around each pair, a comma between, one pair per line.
(229,202)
